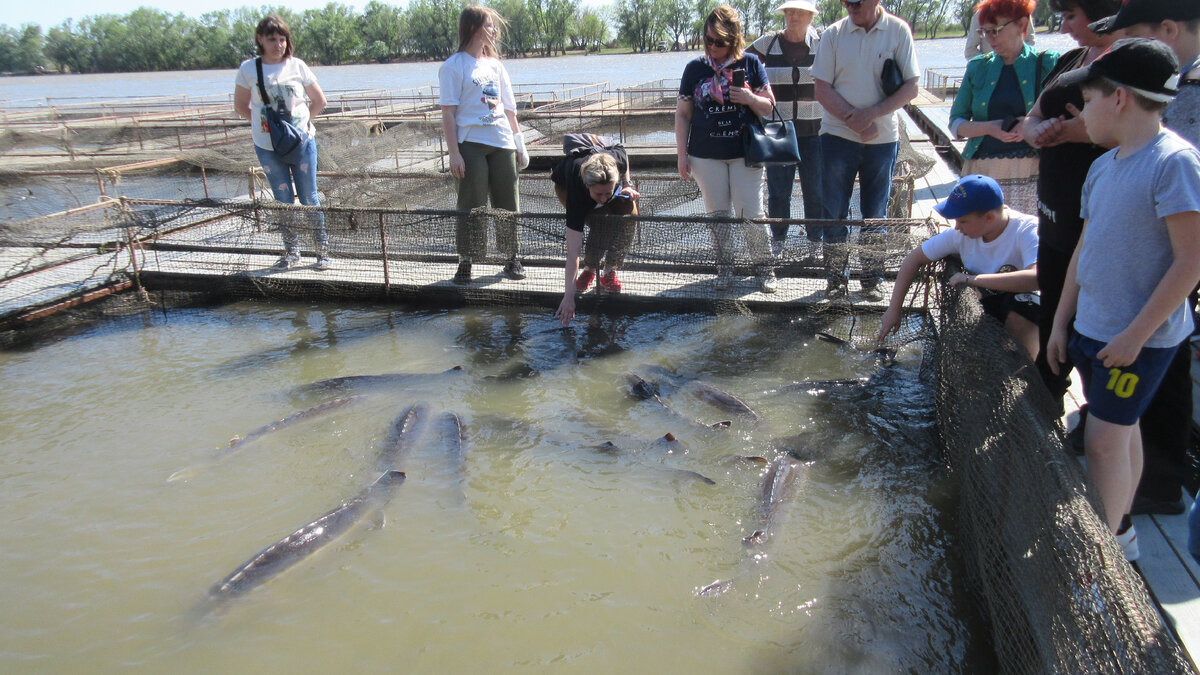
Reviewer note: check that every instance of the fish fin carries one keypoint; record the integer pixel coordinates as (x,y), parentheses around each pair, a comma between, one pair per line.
(182,474)
(723,424)
(757,537)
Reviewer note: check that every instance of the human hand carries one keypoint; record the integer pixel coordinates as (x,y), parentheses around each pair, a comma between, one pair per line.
(566,309)
(871,132)
(860,120)
(458,168)
(1056,350)
(741,95)
(1074,130)
(960,278)
(522,153)
(1121,351)
(685,167)
(630,192)
(996,131)
(1048,133)
(890,323)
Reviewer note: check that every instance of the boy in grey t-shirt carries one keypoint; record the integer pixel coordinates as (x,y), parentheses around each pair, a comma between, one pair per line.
(1138,258)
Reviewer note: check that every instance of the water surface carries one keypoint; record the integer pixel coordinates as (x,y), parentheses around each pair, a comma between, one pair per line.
(542,552)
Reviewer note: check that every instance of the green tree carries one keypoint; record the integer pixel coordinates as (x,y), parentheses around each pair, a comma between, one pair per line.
(828,11)
(332,34)
(679,20)
(592,30)
(639,23)
(382,29)
(963,11)
(68,49)
(519,39)
(433,27)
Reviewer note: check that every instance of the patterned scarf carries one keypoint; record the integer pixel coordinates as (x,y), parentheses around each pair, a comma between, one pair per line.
(722,76)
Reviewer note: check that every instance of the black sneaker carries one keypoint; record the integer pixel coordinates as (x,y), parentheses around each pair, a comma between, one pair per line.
(1145,506)
(513,270)
(463,275)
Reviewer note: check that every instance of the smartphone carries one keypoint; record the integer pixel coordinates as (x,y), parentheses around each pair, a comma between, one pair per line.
(739,78)
(1009,123)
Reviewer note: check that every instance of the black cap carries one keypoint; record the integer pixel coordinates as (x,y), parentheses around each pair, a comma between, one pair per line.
(1146,66)
(1133,12)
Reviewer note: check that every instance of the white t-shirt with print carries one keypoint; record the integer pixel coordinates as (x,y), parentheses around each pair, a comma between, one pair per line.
(1017,246)
(285,83)
(481,90)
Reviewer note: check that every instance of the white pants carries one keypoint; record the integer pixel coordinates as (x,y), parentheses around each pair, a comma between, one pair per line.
(730,188)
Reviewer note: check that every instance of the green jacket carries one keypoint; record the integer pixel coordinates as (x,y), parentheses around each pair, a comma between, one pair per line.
(983,72)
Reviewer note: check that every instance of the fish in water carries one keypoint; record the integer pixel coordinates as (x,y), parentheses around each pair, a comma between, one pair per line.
(669,444)
(307,540)
(237,442)
(405,432)
(779,484)
(369,381)
(885,354)
(319,409)
(645,390)
(722,399)
(449,428)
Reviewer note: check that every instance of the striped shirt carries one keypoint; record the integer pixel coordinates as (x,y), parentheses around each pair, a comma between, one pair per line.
(789,68)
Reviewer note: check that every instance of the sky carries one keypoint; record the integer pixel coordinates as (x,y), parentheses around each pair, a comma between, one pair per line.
(14,13)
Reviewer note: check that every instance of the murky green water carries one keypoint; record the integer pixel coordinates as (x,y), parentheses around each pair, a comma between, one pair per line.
(544,553)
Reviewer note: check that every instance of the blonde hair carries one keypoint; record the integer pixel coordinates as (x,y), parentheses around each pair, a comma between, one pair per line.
(727,25)
(471,21)
(599,168)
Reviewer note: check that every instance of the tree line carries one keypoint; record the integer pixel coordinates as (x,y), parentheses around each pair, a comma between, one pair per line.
(149,39)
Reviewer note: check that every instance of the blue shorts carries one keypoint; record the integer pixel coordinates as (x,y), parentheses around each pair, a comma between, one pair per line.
(1119,395)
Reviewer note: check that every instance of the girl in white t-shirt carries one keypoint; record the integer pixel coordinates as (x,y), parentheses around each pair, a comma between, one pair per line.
(998,248)
(479,118)
(295,94)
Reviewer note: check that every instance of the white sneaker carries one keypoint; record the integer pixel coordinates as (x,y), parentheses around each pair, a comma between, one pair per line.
(323,263)
(1128,542)
(777,247)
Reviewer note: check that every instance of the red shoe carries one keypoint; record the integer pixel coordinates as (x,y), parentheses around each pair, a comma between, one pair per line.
(584,280)
(609,282)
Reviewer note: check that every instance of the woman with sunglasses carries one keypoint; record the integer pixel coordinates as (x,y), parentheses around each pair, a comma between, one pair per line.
(718,93)
(1065,153)
(997,91)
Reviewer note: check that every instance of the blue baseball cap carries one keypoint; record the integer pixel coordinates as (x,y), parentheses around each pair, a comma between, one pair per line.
(971,194)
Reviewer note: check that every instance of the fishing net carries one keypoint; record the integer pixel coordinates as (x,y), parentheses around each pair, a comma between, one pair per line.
(1054,583)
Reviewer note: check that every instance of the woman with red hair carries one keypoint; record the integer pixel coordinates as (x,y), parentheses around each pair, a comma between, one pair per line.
(997,92)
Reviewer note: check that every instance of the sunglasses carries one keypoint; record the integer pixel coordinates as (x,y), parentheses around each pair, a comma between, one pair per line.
(991,32)
(715,42)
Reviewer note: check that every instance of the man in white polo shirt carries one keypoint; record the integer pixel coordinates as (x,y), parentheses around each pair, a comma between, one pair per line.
(859,130)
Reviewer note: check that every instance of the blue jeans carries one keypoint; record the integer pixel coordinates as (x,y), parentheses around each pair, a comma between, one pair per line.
(841,161)
(303,172)
(780,180)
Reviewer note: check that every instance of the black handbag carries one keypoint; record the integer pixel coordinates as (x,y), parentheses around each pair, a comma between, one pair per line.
(286,138)
(890,77)
(770,143)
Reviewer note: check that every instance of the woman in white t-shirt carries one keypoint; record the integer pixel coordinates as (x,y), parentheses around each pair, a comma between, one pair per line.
(998,248)
(294,93)
(479,118)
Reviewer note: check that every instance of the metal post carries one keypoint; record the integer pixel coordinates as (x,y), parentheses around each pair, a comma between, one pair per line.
(387,280)
(204,179)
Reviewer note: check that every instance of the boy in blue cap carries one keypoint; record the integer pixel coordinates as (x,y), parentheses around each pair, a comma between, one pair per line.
(1136,262)
(998,248)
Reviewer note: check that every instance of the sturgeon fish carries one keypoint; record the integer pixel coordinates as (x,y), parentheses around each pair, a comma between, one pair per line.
(779,484)
(368,381)
(719,398)
(645,390)
(237,442)
(305,541)
(405,432)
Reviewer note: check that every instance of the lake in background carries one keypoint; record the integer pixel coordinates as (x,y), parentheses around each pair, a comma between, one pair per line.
(619,70)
